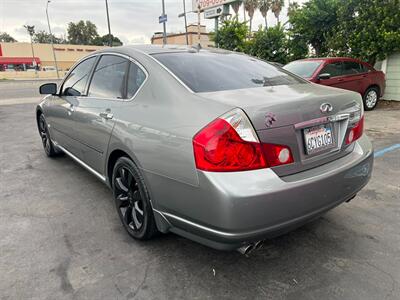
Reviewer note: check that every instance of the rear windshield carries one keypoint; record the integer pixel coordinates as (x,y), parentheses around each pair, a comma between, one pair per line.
(303,69)
(210,72)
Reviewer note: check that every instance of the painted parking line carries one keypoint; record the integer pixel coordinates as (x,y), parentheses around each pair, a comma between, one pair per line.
(385,150)
(20,101)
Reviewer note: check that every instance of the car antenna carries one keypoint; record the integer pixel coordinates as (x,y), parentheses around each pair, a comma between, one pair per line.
(197,47)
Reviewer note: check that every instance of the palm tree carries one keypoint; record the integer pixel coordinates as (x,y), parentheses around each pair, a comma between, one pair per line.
(250,6)
(264,6)
(235,7)
(276,8)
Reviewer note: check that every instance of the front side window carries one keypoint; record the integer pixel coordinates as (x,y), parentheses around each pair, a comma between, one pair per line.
(108,77)
(334,69)
(207,71)
(75,84)
(136,77)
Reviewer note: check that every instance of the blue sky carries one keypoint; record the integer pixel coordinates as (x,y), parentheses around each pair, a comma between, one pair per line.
(134,21)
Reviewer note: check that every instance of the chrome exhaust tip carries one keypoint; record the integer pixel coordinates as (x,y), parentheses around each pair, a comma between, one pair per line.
(246,249)
(258,245)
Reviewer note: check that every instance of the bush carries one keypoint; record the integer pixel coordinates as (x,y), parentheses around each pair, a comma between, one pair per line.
(231,35)
(269,44)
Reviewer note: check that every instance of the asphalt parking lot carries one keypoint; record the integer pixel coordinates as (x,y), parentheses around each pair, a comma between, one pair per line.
(60,236)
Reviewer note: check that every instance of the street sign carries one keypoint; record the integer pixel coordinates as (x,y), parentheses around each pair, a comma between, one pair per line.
(215,12)
(205,4)
(162,19)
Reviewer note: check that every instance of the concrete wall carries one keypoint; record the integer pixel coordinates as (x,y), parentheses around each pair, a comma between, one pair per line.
(392,70)
(66,54)
(180,38)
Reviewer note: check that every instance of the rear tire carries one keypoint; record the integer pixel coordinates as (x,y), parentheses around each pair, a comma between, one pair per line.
(48,145)
(132,200)
(371,98)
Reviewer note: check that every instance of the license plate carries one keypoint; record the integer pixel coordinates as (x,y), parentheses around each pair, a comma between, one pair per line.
(318,138)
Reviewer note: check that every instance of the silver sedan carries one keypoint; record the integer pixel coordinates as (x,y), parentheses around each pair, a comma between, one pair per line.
(218,147)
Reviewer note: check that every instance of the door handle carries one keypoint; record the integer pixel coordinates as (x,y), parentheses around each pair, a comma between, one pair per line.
(71,109)
(340,79)
(106,115)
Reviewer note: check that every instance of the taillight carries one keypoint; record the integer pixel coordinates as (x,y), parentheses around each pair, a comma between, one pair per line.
(356,132)
(230,143)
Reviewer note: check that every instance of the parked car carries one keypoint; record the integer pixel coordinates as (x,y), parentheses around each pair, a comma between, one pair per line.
(345,73)
(49,69)
(226,156)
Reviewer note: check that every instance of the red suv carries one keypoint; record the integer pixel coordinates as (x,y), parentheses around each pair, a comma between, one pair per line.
(345,73)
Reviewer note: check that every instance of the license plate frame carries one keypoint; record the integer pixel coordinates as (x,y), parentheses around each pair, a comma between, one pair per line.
(318,138)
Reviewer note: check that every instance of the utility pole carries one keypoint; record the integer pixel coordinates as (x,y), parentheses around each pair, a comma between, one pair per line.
(186,32)
(31,32)
(164,25)
(51,39)
(110,39)
(198,24)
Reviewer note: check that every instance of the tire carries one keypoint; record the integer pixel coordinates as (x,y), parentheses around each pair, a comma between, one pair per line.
(370,98)
(132,200)
(48,145)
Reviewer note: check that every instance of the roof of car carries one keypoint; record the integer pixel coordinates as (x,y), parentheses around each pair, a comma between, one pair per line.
(154,49)
(332,58)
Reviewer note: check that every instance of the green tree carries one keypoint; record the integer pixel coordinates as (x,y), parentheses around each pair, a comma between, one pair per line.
(264,6)
(314,22)
(104,41)
(6,38)
(293,6)
(269,44)
(231,35)
(367,29)
(297,47)
(82,33)
(42,37)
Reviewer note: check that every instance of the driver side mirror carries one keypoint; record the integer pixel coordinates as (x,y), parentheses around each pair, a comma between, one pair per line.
(48,89)
(324,76)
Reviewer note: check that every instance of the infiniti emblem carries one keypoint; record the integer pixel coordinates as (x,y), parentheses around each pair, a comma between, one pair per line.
(326,108)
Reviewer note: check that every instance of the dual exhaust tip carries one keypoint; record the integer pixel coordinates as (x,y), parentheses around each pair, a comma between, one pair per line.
(248,248)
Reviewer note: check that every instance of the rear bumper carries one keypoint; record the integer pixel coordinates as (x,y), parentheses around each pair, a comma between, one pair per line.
(230,209)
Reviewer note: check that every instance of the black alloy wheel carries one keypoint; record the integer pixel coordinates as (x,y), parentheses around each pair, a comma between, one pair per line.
(45,136)
(132,200)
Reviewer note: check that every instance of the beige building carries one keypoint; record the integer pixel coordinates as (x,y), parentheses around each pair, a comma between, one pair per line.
(66,54)
(180,38)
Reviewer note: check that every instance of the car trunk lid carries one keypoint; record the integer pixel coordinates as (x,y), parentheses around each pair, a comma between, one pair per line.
(282,115)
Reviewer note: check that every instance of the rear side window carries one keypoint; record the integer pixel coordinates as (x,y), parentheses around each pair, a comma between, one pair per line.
(206,71)
(75,84)
(108,77)
(364,69)
(136,77)
(334,69)
(351,67)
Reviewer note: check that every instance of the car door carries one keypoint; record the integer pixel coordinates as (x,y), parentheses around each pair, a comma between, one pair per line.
(60,111)
(335,70)
(352,78)
(95,115)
